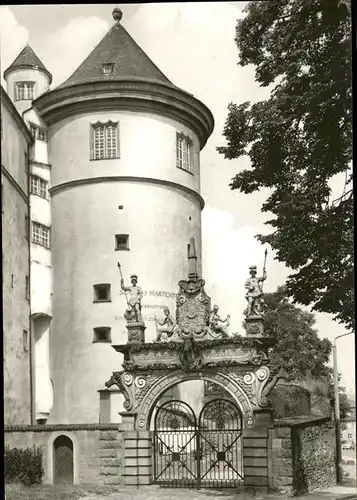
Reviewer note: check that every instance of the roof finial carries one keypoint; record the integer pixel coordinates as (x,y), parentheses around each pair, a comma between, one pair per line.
(117,14)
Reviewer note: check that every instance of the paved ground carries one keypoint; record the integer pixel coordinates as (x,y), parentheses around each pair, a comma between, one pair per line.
(156,493)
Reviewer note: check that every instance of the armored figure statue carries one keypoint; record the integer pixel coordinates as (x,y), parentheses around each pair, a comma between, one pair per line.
(168,325)
(134,299)
(214,321)
(254,295)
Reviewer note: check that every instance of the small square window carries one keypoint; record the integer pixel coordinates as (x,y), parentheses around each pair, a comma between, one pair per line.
(101,293)
(107,68)
(25,340)
(102,334)
(349,436)
(121,242)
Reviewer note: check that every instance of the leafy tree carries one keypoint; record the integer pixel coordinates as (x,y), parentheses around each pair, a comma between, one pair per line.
(298,349)
(297,140)
(300,352)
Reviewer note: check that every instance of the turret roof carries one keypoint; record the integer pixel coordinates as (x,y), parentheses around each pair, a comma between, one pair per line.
(128,59)
(28,59)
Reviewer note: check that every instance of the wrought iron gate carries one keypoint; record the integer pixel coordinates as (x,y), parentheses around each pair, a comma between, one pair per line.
(207,453)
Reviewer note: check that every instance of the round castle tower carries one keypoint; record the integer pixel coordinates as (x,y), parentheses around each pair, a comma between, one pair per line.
(124,145)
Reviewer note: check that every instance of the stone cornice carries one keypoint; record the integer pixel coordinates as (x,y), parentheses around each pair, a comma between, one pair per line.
(130,95)
(257,342)
(125,178)
(303,421)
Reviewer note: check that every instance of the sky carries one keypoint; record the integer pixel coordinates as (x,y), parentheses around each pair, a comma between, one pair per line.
(193,44)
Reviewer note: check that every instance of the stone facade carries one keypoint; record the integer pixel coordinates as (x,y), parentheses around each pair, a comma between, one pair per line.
(15,212)
(97,450)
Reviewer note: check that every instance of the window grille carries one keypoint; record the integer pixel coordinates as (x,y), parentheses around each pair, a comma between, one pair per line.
(38,186)
(105,141)
(184,152)
(40,234)
(24,91)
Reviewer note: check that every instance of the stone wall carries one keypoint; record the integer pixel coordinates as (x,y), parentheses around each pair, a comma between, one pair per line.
(97,450)
(315,456)
(302,454)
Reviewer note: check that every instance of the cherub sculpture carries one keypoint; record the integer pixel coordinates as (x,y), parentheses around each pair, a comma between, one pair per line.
(165,328)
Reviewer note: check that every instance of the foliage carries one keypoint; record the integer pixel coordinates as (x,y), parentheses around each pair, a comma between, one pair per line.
(290,401)
(23,465)
(298,140)
(298,348)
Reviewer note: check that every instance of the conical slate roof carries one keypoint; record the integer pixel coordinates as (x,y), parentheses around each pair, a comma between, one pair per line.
(128,59)
(27,59)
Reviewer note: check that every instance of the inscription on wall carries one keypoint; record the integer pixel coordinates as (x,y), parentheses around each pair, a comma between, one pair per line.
(152,293)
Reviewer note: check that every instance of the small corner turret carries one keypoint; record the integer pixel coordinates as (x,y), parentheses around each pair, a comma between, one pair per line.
(27,78)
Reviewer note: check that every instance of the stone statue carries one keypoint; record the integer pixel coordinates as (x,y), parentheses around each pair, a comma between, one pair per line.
(214,321)
(168,325)
(254,295)
(134,299)
(190,355)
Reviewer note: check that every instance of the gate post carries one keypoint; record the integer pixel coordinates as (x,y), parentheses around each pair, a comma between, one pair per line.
(256,456)
(137,452)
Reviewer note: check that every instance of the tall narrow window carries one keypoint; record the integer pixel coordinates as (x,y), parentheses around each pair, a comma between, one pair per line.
(184,152)
(25,340)
(27,228)
(27,287)
(40,234)
(38,186)
(105,142)
(24,91)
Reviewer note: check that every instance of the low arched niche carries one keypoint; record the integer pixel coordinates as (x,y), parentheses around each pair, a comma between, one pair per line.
(153,395)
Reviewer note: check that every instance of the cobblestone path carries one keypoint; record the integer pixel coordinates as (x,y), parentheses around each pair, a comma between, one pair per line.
(157,493)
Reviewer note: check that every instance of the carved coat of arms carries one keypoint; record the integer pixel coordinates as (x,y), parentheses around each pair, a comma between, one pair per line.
(193,308)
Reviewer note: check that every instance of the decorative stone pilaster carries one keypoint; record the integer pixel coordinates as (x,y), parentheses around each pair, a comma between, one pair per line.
(136,332)
(254,326)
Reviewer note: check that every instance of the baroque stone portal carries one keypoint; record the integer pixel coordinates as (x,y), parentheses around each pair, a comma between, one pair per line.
(191,348)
